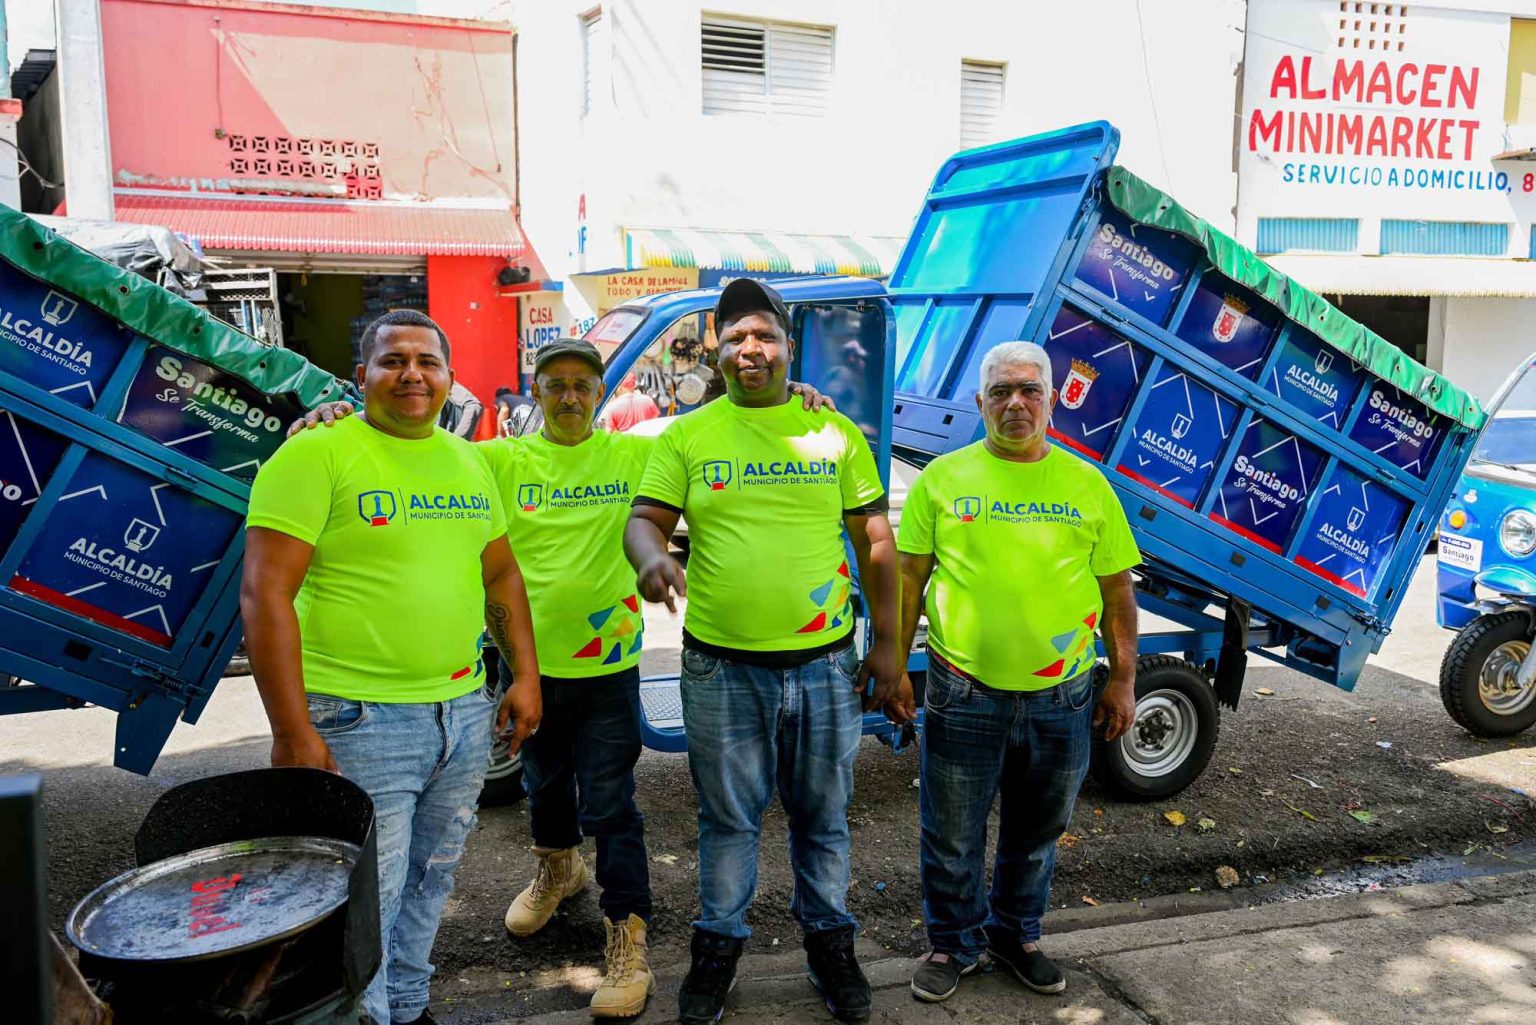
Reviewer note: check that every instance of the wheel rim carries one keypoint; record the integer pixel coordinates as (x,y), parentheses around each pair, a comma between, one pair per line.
(501,764)
(1498,686)
(1163,734)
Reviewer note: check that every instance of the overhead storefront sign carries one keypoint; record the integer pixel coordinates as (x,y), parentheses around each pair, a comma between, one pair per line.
(1376,111)
(616,289)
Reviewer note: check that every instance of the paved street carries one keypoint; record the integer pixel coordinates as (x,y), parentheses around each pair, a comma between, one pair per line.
(1287,773)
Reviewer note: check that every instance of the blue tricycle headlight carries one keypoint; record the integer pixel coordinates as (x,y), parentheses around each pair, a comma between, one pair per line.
(1517,533)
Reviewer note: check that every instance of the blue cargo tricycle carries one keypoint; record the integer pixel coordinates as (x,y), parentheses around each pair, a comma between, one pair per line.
(1280,464)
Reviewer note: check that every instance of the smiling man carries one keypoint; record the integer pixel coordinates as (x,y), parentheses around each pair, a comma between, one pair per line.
(771,682)
(375,552)
(1023,550)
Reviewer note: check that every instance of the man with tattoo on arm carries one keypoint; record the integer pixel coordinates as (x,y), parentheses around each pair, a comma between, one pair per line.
(374,552)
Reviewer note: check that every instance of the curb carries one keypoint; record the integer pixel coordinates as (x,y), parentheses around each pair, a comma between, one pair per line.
(779,979)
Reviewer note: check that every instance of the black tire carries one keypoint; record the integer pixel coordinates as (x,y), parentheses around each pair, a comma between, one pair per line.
(239,662)
(503,778)
(1184,698)
(1461,673)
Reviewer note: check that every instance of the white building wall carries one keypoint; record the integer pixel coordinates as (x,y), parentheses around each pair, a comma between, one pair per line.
(1485,339)
(647,156)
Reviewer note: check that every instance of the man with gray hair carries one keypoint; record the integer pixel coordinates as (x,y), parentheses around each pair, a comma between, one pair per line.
(1028,552)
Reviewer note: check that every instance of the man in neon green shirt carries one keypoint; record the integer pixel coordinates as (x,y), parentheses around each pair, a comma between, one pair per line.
(568,490)
(374,553)
(771,682)
(1024,552)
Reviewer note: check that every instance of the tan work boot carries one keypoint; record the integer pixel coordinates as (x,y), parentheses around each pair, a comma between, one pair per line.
(627,980)
(558,875)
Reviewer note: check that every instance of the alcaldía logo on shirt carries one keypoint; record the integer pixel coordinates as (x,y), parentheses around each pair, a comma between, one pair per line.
(718,474)
(969,508)
(426,505)
(377,508)
(530,496)
(572,496)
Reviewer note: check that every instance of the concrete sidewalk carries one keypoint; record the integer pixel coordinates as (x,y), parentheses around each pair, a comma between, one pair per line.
(1439,954)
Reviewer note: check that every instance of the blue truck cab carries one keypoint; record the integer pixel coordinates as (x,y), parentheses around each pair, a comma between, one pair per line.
(1486,570)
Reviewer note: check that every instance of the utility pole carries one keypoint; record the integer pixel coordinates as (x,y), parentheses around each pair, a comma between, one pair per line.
(83,110)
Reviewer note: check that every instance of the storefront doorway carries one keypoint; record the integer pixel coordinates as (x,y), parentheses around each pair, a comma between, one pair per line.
(324,313)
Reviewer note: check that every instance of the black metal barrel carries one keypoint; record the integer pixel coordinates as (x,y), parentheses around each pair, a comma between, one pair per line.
(255,900)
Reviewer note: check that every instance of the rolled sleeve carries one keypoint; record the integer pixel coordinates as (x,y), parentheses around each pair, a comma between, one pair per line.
(914,535)
(859,478)
(292,491)
(1115,551)
(665,480)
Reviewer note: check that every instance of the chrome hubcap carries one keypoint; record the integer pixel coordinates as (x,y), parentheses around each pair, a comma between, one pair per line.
(1498,685)
(1163,735)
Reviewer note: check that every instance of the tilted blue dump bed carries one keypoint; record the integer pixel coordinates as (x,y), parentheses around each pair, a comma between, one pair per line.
(131,425)
(1273,456)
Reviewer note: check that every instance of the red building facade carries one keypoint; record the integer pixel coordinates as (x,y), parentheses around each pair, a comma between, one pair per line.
(371,159)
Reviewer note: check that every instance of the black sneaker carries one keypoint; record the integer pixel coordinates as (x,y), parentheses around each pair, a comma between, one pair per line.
(425,1018)
(701,999)
(1031,967)
(938,976)
(833,970)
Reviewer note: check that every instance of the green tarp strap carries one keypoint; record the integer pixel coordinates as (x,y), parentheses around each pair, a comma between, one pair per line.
(146,308)
(1147,205)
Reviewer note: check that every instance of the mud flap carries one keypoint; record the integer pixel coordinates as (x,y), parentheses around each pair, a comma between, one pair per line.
(1232,663)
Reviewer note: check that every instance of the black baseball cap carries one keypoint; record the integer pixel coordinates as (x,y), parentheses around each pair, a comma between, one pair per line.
(748,295)
(578,347)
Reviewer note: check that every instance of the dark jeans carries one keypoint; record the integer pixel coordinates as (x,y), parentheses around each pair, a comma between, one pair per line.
(751,729)
(579,771)
(1032,747)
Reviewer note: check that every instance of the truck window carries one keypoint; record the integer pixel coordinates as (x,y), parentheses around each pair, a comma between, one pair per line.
(680,371)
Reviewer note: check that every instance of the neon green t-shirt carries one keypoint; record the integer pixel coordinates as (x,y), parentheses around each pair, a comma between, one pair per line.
(764,492)
(566,509)
(393,605)
(1014,597)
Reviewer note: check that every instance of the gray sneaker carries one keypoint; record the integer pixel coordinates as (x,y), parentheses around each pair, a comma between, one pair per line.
(938,975)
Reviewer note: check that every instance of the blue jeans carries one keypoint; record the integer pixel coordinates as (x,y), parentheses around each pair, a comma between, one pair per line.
(579,771)
(1030,746)
(748,728)
(423,765)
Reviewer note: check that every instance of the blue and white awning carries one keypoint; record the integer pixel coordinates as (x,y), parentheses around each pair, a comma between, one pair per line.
(870,256)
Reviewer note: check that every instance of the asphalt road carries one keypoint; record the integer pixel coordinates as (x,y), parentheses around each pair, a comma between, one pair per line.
(1288,772)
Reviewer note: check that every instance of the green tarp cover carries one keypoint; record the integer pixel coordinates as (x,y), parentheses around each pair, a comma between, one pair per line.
(1149,206)
(151,311)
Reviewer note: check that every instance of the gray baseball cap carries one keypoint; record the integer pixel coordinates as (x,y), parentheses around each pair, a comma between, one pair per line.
(578,347)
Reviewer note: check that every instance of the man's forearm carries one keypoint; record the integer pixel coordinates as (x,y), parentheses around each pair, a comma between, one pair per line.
(1120,628)
(274,644)
(911,606)
(883,585)
(511,624)
(643,542)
